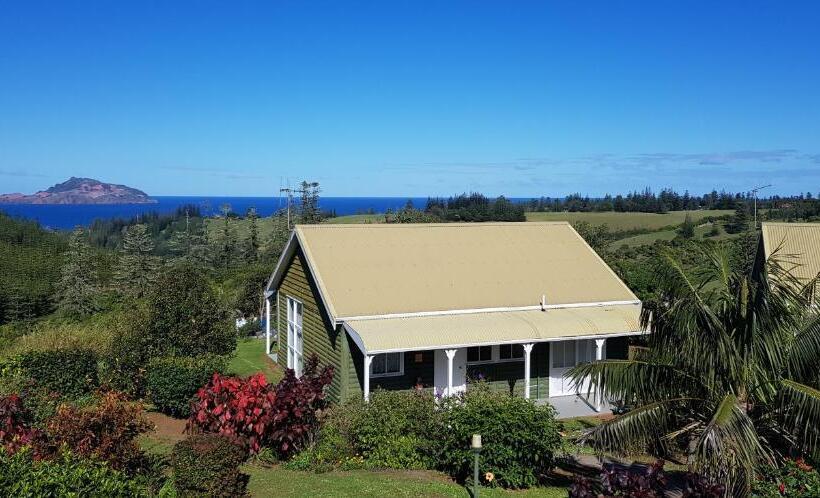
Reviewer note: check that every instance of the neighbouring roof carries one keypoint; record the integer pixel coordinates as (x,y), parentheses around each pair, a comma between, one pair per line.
(796,244)
(387,269)
(473,329)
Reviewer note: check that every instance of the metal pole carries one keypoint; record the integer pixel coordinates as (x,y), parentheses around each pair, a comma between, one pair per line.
(475,473)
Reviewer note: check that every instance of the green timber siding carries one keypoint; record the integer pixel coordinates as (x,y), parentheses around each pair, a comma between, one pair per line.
(318,335)
(412,372)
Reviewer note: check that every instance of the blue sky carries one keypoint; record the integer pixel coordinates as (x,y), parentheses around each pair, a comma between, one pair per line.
(411,98)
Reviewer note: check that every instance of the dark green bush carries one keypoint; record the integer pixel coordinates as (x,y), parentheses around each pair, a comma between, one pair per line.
(519,437)
(182,316)
(66,475)
(70,372)
(172,381)
(394,430)
(208,465)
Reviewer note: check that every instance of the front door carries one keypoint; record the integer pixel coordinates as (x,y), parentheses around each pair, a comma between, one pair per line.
(459,371)
(563,356)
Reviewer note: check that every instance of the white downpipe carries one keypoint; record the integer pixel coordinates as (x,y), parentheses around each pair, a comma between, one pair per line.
(599,355)
(267,325)
(451,353)
(368,359)
(527,352)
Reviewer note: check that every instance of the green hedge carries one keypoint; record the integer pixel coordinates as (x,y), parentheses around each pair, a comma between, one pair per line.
(519,438)
(70,372)
(67,475)
(208,465)
(173,381)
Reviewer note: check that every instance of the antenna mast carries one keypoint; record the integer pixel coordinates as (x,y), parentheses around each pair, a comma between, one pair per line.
(754,193)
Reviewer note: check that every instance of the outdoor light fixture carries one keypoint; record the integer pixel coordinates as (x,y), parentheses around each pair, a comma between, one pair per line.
(475,445)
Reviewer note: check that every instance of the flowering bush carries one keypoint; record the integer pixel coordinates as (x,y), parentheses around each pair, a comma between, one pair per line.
(795,478)
(283,416)
(15,430)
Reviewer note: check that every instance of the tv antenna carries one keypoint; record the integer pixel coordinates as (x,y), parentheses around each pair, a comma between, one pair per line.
(754,195)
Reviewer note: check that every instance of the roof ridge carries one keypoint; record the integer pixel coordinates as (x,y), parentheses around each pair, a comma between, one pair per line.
(434,225)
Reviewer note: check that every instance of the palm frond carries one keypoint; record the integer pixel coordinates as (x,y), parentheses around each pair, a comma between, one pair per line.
(632,380)
(800,414)
(652,422)
(805,353)
(729,450)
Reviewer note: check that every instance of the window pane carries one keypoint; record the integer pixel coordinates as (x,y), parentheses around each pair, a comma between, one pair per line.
(518,351)
(486,353)
(299,314)
(569,353)
(557,354)
(299,365)
(393,363)
(505,351)
(472,354)
(378,364)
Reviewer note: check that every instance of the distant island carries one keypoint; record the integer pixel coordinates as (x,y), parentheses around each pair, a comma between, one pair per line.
(81,191)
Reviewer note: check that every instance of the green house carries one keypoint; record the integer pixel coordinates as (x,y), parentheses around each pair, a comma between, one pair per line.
(440,306)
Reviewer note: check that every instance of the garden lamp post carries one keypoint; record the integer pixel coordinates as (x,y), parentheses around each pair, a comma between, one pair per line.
(475,445)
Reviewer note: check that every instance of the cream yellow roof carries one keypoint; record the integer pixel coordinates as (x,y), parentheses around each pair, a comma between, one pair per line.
(472,329)
(385,269)
(797,245)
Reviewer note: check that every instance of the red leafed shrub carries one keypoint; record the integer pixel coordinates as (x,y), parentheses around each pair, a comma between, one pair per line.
(107,430)
(283,417)
(15,430)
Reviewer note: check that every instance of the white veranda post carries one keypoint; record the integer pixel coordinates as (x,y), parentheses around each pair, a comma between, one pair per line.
(267,325)
(368,359)
(451,353)
(599,355)
(527,364)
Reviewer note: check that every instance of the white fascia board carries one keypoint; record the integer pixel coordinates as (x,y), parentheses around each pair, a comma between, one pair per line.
(356,338)
(488,310)
(279,270)
(517,341)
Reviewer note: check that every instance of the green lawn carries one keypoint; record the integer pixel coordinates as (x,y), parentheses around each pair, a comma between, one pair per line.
(618,222)
(250,358)
(276,481)
(357,218)
(701,232)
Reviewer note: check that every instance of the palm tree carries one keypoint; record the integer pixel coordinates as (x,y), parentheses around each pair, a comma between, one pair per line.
(730,378)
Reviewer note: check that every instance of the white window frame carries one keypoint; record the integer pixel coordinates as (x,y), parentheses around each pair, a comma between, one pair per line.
(296,348)
(513,359)
(388,374)
(495,356)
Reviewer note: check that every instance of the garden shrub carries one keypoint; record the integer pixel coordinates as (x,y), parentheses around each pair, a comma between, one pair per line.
(284,417)
(794,478)
(21,474)
(208,465)
(649,482)
(395,429)
(520,437)
(15,424)
(107,430)
(172,381)
(70,372)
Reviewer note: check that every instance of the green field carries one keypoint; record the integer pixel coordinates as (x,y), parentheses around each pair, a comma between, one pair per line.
(357,218)
(621,222)
(701,232)
(250,358)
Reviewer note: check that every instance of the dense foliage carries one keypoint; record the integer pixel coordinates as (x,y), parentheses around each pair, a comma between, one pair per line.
(520,437)
(30,260)
(69,372)
(793,479)
(106,430)
(475,207)
(284,417)
(649,482)
(15,424)
(208,465)
(730,376)
(173,381)
(21,474)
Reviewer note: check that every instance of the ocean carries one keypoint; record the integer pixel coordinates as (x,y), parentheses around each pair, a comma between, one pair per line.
(60,217)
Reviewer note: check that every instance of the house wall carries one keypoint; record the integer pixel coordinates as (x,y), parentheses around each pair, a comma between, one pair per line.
(319,336)
(413,370)
(508,376)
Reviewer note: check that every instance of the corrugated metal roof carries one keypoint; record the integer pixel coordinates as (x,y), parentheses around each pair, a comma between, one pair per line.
(459,330)
(383,269)
(797,245)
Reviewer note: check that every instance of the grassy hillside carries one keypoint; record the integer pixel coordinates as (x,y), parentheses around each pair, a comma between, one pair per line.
(701,232)
(621,222)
